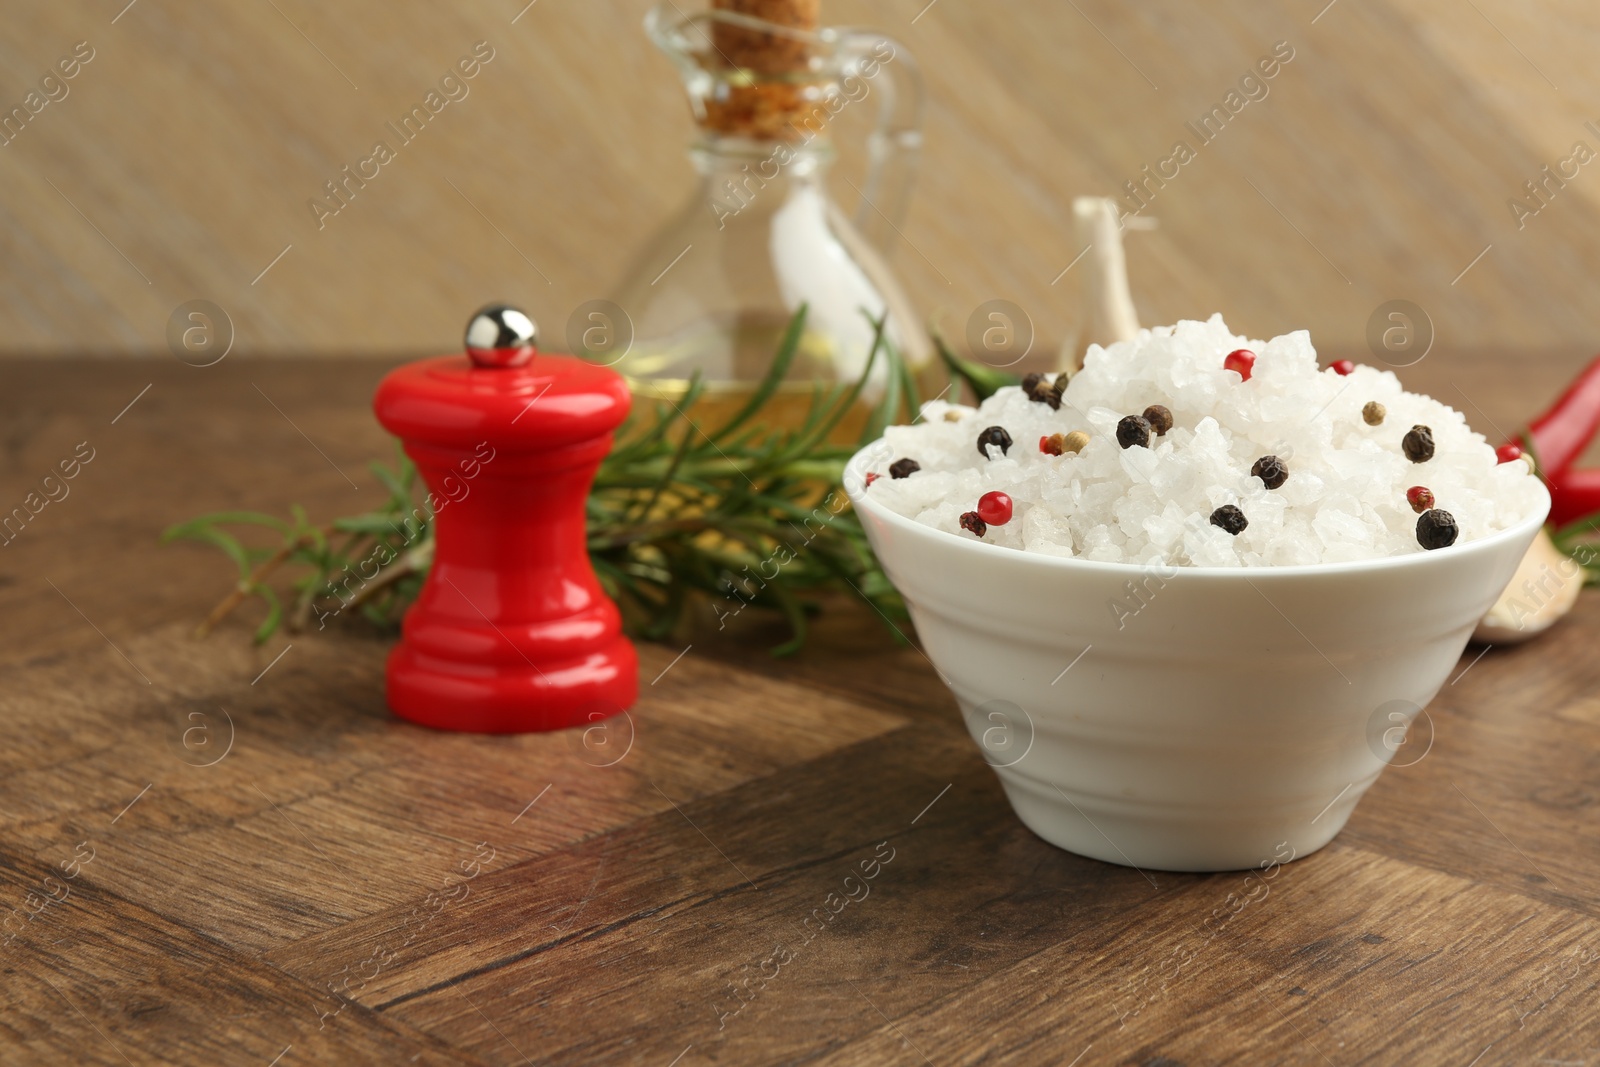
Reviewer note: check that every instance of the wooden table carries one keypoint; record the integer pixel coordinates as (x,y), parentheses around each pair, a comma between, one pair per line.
(263,867)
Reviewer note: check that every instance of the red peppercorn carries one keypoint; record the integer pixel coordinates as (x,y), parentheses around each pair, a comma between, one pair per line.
(1420,497)
(1509,452)
(994,508)
(1046,447)
(1342,366)
(872,476)
(1241,361)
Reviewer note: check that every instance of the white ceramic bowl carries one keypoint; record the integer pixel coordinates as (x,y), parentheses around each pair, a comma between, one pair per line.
(1234,720)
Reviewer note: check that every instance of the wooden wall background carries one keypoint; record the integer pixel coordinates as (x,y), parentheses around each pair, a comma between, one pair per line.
(180,164)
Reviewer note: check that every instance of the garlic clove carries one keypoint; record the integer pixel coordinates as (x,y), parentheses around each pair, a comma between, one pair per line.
(1108,312)
(1544,589)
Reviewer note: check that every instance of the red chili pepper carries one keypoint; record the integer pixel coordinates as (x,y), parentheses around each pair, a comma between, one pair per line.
(1574,495)
(1560,435)
(1557,438)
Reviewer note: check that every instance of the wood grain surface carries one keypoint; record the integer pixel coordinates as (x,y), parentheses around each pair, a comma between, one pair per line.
(1379,165)
(217,853)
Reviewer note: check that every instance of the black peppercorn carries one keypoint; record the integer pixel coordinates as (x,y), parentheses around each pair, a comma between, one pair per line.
(1056,390)
(970,520)
(994,435)
(1159,418)
(1133,430)
(904,468)
(1229,519)
(1436,528)
(1418,444)
(1040,390)
(1270,469)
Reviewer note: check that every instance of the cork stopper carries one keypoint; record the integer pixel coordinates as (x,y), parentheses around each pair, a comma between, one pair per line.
(770,93)
(761,51)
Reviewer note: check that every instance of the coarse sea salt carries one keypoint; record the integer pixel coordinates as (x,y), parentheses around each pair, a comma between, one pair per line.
(1344,499)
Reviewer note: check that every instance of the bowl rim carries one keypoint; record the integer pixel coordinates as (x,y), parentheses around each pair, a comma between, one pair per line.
(855,488)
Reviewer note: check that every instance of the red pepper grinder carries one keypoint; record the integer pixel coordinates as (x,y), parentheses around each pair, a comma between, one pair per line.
(511,633)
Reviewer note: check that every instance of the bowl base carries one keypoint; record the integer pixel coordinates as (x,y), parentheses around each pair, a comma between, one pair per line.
(1157,841)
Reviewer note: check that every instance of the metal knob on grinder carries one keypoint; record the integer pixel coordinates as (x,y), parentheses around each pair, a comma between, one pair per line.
(501,336)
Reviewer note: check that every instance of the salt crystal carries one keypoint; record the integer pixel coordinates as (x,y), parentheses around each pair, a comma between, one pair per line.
(1344,499)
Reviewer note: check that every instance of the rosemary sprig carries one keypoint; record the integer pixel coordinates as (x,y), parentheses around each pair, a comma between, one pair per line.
(1581,541)
(743,514)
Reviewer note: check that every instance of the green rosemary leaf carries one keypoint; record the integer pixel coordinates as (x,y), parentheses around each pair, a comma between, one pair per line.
(1576,529)
(684,444)
(373,523)
(399,487)
(848,400)
(829,404)
(274,614)
(879,417)
(909,392)
(224,518)
(773,378)
(229,544)
(794,612)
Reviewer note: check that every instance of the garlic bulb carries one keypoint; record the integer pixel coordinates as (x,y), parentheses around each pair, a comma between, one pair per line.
(1544,589)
